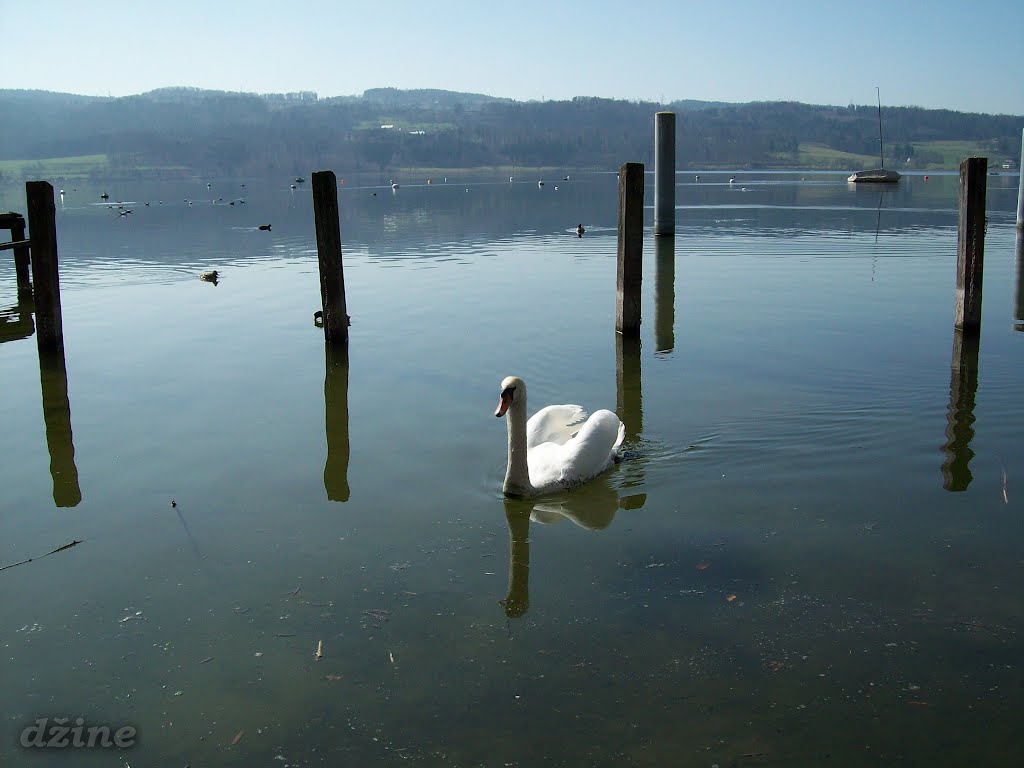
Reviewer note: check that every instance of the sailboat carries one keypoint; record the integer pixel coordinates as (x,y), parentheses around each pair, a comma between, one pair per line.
(879,174)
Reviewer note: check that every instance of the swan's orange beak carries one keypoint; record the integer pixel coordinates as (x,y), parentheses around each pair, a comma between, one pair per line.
(504,401)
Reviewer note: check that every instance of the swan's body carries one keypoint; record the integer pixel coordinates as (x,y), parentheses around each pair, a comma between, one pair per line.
(555,449)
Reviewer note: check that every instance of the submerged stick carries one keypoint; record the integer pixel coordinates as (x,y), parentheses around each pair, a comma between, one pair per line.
(51,552)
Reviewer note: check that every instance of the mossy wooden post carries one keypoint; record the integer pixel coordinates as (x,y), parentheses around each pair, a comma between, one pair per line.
(665,173)
(970,245)
(328,248)
(42,228)
(631,249)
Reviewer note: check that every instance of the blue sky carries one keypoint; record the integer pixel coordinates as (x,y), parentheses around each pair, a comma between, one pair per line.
(967,56)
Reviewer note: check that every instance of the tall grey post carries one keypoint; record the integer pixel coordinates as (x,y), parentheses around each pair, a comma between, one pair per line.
(665,173)
(1020,187)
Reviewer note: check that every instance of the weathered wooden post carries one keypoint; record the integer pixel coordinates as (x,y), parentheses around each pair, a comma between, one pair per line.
(963,389)
(53,380)
(21,258)
(336,421)
(630,249)
(664,294)
(328,248)
(970,245)
(42,227)
(517,516)
(1020,185)
(15,222)
(665,173)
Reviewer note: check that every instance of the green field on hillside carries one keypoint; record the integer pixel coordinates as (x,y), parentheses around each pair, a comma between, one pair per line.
(930,155)
(952,152)
(54,167)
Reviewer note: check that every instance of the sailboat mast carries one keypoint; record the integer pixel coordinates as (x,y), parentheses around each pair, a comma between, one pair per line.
(881,153)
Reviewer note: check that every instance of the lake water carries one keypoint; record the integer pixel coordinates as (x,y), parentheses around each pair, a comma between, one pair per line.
(813,555)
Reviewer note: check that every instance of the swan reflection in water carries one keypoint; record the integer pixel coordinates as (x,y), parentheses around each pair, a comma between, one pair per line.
(592,506)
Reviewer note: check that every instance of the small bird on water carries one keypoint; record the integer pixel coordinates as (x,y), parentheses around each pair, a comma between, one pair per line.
(580,230)
(265,227)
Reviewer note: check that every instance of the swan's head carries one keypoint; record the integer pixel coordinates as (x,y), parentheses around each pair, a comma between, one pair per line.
(513,390)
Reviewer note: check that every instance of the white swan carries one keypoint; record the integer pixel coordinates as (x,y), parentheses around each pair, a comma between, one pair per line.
(555,449)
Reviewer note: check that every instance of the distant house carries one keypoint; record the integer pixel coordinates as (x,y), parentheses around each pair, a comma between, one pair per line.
(1008,164)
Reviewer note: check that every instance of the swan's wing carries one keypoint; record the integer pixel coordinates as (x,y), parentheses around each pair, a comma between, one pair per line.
(554,424)
(593,448)
(546,462)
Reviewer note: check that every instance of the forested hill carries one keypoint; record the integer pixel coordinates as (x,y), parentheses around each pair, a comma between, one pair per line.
(187,130)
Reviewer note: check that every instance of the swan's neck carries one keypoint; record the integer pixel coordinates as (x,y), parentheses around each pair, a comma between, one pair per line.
(517,475)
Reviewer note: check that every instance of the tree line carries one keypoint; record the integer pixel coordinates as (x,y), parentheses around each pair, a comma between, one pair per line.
(192,131)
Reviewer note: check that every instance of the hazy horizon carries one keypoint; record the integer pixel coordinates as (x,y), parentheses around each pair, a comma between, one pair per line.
(946,55)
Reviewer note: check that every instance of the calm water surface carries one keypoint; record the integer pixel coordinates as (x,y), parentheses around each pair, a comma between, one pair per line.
(814,556)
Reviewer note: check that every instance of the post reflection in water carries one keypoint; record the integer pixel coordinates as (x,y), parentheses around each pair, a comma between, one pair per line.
(664,294)
(628,390)
(1018,298)
(16,322)
(591,506)
(53,379)
(336,421)
(963,388)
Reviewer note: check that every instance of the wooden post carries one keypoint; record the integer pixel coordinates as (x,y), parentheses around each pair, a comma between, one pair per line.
(42,227)
(328,248)
(15,222)
(336,421)
(970,246)
(631,248)
(963,389)
(1020,184)
(665,173)
(664,294)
